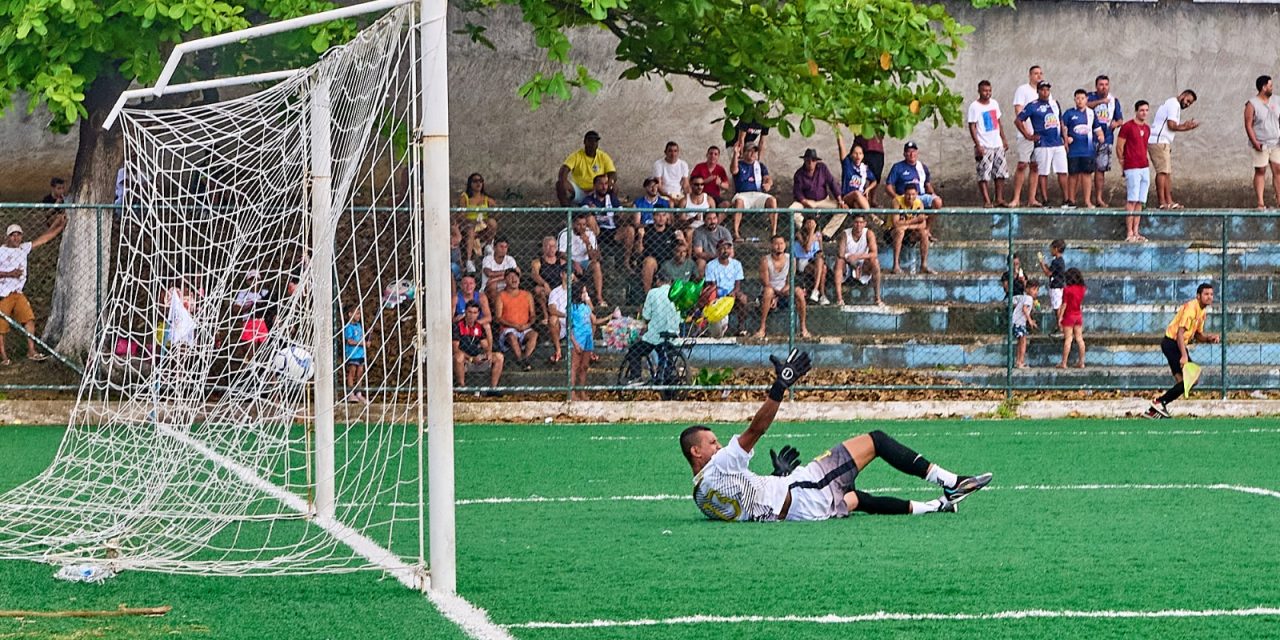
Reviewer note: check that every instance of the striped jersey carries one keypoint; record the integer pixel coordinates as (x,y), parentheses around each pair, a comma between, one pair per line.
(726,489)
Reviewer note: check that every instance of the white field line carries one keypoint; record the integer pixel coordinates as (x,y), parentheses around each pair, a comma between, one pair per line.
(883,616)
(921,434)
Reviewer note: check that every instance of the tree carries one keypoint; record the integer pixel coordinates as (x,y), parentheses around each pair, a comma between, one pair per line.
(877,66)
(75,57)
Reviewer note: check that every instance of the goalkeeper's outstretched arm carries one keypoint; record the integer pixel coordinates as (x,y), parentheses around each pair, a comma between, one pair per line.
(786,373)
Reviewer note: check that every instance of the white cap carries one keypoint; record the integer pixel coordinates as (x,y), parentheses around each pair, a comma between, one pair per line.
(13,228)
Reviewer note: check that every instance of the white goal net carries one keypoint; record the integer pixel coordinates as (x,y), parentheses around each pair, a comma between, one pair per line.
(198,443)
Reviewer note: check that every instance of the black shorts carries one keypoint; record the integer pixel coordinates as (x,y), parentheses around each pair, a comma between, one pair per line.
(471,348)
(1171,353)
(875,162)
(909,238)
(606,236)
(1077,166)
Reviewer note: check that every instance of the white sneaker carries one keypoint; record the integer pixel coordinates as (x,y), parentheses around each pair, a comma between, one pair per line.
(824,300)
(814,296)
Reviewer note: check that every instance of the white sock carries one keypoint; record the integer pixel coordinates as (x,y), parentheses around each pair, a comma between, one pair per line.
(921,508)
(941,477)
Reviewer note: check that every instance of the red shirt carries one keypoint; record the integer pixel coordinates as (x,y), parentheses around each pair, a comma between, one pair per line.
(1072,299)
(711,176)
(1135,145)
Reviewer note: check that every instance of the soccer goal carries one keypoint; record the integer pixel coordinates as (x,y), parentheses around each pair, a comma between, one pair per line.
(257,400)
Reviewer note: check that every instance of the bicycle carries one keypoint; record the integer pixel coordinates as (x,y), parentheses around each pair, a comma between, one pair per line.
(664,364)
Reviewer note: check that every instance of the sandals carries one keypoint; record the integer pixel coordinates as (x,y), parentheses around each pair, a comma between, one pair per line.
(6,362)
(37,357)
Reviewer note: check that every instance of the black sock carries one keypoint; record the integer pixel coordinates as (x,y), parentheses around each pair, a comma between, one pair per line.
(881,505)
(898,456)
(1173,393)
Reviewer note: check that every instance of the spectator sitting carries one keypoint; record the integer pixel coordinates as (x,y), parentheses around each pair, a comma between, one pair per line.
(775,275)
(547,271)
(13,277)
(248,297)
(907,226)
(811,266)
(557,307)
(580,169)
(495,266)
(473,349)
(478,226)
(707,239)
(752,184)
(1019,278)
(814,187)
(648,202)
(515,316)
(661,316)
(455,252)
(611,227)
(658,245)
(714,177)
(911,170)
(468,293)
(679,266)
(583,252)
(856,178)
(726,272)
(858,258)
(698,199)
(57,192)
(673,175)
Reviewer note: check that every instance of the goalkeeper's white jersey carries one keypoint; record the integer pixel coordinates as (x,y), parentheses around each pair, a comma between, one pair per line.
(726,489)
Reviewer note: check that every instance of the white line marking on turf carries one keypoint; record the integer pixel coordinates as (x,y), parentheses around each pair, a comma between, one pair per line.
(883,616)
(474,621)
(924,434)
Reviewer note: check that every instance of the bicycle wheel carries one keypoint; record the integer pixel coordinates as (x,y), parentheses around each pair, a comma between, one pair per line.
(673,369)
(634,372)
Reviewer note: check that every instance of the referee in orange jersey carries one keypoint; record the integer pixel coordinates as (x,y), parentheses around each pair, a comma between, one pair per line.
(1187,325)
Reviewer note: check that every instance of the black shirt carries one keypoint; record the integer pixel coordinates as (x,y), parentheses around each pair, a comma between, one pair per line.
(661,245)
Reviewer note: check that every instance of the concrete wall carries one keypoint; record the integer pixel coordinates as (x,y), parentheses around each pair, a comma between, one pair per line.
(1150,51)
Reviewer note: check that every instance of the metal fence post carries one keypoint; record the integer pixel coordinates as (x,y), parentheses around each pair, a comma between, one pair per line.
(1222,306)
(1008,308)
(97,291)
(568,305)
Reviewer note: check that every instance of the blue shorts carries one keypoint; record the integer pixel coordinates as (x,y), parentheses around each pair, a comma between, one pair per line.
(1019,331)
(927,200)
(355,362)
(1137,182)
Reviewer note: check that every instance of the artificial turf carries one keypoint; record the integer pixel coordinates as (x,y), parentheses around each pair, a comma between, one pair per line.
(1080,517)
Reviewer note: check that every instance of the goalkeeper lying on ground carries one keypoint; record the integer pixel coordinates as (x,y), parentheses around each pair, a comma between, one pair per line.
(725,489)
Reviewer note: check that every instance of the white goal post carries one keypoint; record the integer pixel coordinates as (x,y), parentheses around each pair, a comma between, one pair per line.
(344,133)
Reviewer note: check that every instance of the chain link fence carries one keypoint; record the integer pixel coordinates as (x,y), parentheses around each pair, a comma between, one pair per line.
(943,320)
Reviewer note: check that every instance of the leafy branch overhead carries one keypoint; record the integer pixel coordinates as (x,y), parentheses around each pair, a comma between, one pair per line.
(878,66)
(54,50)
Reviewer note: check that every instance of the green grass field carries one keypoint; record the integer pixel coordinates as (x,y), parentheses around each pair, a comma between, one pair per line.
(593,524)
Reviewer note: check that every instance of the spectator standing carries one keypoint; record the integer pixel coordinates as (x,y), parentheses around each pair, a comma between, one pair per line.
(495,266)
(1041,122)
(515,316)
(250,296)
(1131,148)
(673,175)
(579,170)
(659,245)
(1071,316)
(873,149)
(661,316)
(13,277)
(1024,144)
(1262,126)
(353,351)
(579,243)
(715,179)
(748,133)
(857,179)
(707,239)
(547,271)
(751,184)
(472,348)
(910,170)
(989,145)
(775,276)
(1019,278)
(1056,270)
(727,274)
(858,258)
(908,225)
(478,226)
(1167,122)
(1106,109)
(1024,317)
(57,192)
(810,264)
(813,187)
(582,328)
(1084,134)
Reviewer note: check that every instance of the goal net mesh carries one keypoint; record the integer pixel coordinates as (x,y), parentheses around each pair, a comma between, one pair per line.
(191,447)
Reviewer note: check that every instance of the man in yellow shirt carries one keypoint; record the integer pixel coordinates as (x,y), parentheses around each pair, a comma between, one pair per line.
(580,169)
(1187,325)
(909,227)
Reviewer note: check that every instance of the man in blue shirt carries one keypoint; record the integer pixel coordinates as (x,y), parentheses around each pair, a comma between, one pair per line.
(751,186)
(1106,108)
(1084,133)
(1040,122)
(911,170)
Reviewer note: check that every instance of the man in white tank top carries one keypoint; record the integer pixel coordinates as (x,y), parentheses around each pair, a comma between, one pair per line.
(775,274)
(858,254)
(1262,126)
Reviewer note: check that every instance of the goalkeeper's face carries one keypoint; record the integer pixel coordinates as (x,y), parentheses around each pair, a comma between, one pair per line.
(707,445)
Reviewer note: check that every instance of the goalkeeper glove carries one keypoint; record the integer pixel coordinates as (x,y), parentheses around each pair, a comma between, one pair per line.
(788,372)
(785,461)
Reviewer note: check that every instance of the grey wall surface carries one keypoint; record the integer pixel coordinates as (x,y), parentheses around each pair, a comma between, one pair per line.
(1150,51)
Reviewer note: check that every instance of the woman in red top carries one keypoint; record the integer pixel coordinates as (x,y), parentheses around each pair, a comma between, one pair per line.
(1070,317)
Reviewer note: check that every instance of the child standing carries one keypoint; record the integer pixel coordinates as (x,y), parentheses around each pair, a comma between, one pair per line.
(353,350)
(1056,269)
(1070,317)
(582,328)
(1023,317)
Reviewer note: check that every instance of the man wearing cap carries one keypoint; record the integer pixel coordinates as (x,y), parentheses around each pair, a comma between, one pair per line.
(1046,131)
(911,170)
(1023,145)
(751,185)
(13,276)
(815,188)
(579,170)
(727,274)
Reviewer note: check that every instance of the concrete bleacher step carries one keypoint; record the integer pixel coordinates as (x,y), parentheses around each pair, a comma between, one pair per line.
(1083,224)
(1150,378)
(1093,257)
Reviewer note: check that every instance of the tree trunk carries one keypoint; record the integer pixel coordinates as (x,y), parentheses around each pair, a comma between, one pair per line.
(85,253)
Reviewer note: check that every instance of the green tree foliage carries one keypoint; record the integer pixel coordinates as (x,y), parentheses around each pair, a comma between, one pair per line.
(56,50)
(878,66)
